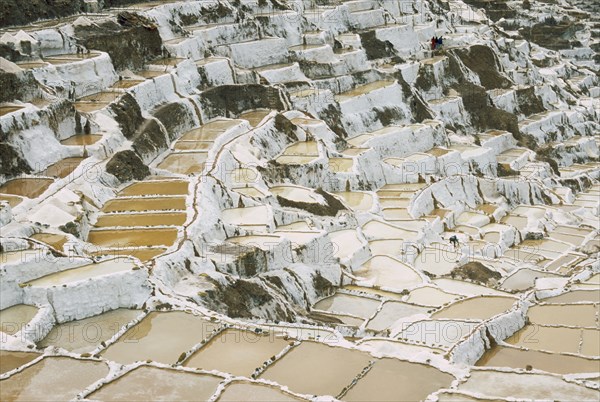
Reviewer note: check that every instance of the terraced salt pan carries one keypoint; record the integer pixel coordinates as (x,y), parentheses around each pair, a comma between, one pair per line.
(575,296)
(341,165)
(144,204)
(12,360)
(185,163)
(387,247)
(82,336)
(389,379)
(13,319)
(576,315)
(4,110)
(141,219)
(502,356)
(237,352)
(249,391)
(297,194)
(476,308)
(442,334)
(466,288)
(437,260)
(525,278)
(250,192)
(326,370)
(142,253)
(65,378)
(345,242)
(56,241)
(155,187)
(82,139)
(375,291)
(380,230)
(26,187)
(430,296)
(254,117)
(357,201)
(348,304)
(258,215)
(392,312)
(557,339)
(263,242)
(62,168)
(525,386)
(84,273)
(384,271)
(13,200)
(158,337)
(120,238)
(148,383)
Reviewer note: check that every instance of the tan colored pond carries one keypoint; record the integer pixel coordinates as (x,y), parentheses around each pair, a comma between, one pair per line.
(56,241)
(210,131)
(13,319)
(13,200)
(383,247)
(341,165)
(52,379)
(255,392)
(501,356)
(184,162)
(551,339)
(393,380)
(159,337)
(430,296)
(381,230)
(520,222)
(357,201)
(374,291)
(345,242)
(258,215)
(437,260)
(397,214)
(120,238)
(343,303)
(476,308)
(362,90)
(237,352)
(389,272)
(302,148)
(11,360)
(526,386)
(148,383)
(524,278)
(27,187)
(250,192)
(297,194)
(143,219)
(326,370)
(144,204)
(391,312)
(82,139)
(441,334)
(254,117)
(575,296)
(85,272)
(193,145)
(62,168)
(82,336)
(576,315)
(4,110)
(155,187)
(465,288)
(143,254)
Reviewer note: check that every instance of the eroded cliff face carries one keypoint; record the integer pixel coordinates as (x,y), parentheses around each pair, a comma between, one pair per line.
(314,171)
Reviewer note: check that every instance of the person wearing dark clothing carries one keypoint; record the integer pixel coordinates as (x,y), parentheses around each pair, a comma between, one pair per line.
(433,42)
(454,241)
(440,42)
